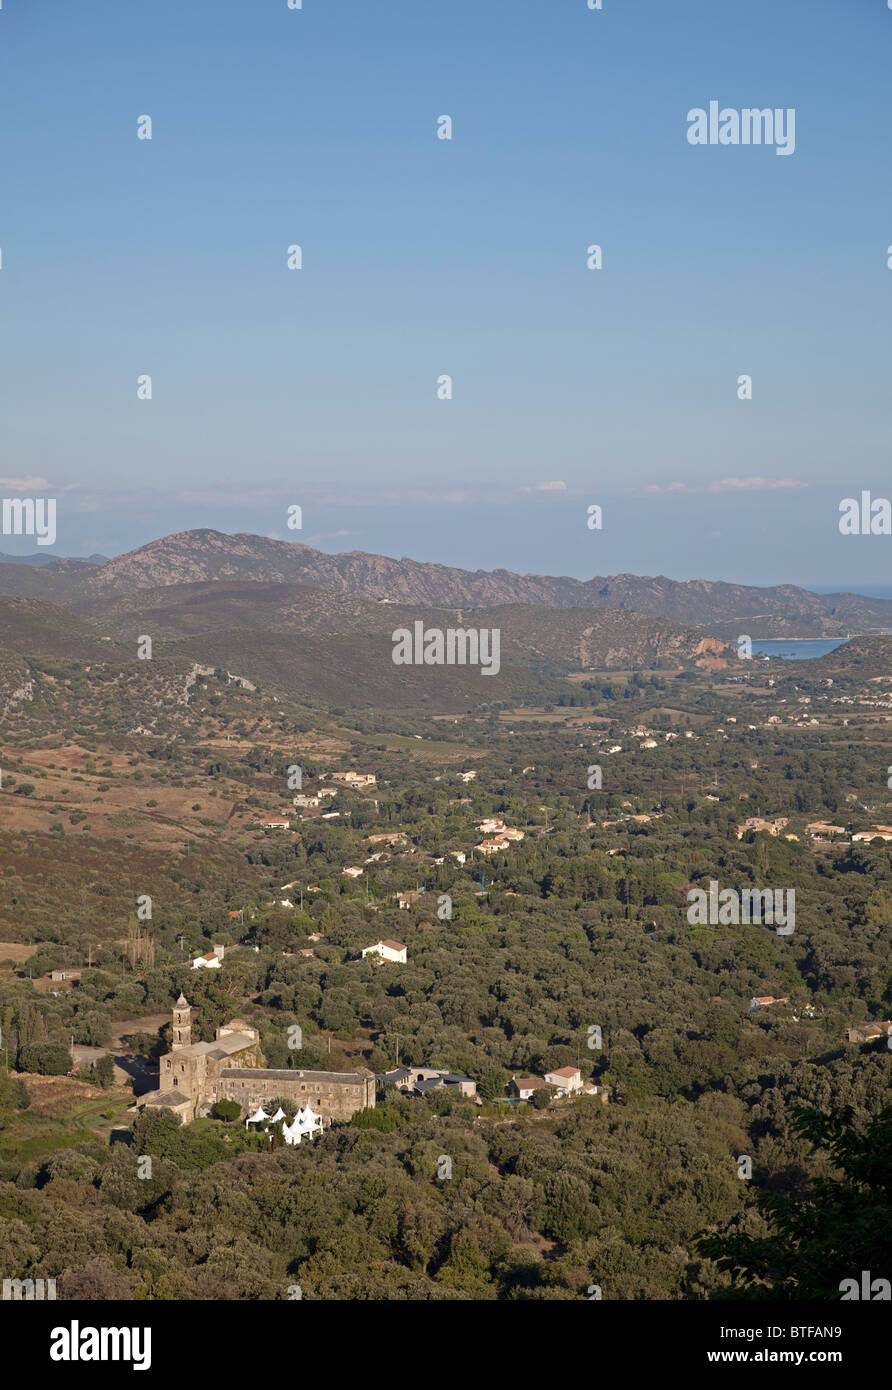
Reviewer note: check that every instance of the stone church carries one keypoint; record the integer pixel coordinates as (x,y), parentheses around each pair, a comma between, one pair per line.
(193,1076)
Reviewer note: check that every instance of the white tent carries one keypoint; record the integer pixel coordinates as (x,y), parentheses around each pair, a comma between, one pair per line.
(279,1115)
(305,1125)
(256,1118)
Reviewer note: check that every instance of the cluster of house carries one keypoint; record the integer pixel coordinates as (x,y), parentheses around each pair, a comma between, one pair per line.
(304,801)
(648,738)
(311,800)
(879,832)
(824,830)
(563,1081)
(758,823)
(816,829)
(418,1081)
(501,835)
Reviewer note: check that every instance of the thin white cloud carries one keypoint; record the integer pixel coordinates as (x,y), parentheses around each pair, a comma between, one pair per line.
(545,487)
(25,484)
(731,485)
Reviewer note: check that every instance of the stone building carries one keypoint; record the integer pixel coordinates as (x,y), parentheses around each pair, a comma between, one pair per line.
(192,1077)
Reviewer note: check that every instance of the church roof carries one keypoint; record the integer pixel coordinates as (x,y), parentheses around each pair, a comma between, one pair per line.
(223,1047)
(172,1098)
(182,1001)
(290,1074)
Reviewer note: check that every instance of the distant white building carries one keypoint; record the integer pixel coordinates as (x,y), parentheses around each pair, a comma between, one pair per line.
(209,962)
(764,1001)
(387,950)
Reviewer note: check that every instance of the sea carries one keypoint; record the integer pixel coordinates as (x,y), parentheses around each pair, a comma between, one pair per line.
(797,650)
(803,649)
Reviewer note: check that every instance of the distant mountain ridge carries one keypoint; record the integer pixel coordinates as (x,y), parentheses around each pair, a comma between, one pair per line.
(200,556)
(40,558)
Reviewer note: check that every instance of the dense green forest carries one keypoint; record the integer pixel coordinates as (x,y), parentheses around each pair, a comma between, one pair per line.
(568,947)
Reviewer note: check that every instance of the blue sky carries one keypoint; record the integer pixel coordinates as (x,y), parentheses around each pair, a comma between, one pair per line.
(422,257)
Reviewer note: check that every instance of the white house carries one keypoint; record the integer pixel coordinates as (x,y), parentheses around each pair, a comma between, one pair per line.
(493,846)
(387,950)
(524,1086)
(566,1079)
(209,962)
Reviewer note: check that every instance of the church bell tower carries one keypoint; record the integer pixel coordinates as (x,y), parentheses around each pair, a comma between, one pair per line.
(182,1024)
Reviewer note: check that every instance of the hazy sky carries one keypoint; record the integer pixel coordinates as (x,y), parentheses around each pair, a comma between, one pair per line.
(422,257)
